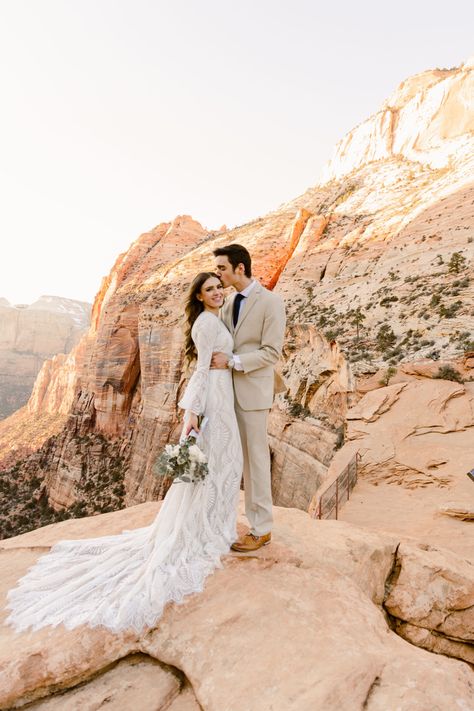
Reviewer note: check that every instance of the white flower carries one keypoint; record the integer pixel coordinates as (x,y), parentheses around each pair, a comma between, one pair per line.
(194,451)
(196,454)
(172,450)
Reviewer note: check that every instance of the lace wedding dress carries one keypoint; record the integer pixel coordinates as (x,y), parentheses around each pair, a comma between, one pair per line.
(124,581)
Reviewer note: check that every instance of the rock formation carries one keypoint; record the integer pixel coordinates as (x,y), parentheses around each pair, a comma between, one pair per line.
(128,378)
(318,634)
(29,335)
(375,267)
(426,120)
(415,439)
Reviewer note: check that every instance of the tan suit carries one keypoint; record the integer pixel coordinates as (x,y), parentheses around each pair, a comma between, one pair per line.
(258,341)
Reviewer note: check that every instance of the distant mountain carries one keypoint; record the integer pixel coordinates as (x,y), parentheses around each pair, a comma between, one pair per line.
(79,311)
(30,334)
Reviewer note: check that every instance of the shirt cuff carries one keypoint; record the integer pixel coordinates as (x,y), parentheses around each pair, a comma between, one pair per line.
(237,362)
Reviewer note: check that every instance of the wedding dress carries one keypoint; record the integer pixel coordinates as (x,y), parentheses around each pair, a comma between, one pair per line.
(124,581)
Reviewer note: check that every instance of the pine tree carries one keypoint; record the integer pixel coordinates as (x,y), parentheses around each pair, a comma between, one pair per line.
(456,263)
(357,319)
(385,337)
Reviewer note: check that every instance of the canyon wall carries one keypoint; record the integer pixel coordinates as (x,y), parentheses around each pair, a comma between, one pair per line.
(426,120)
(30,335)
(375,267)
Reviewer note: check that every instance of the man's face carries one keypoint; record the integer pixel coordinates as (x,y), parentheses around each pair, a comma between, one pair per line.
(225,271)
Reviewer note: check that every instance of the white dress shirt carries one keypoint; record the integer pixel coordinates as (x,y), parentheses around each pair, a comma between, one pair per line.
(245,293)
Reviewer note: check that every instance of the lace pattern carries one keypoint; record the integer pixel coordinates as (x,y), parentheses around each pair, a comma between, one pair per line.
(204,333)
(124,581)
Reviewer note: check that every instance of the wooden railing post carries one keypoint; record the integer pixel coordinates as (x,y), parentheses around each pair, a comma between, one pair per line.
(351,468)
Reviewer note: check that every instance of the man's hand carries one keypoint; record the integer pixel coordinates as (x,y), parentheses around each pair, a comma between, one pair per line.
(219,361)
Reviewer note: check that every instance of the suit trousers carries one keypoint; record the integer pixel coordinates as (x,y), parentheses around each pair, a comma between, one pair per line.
(257,469)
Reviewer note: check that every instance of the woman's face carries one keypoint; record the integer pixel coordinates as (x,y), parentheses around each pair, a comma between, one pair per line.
(212,293)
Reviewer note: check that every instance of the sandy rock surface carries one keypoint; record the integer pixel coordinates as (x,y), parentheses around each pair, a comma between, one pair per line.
(415,440)
(135,682)
(299,625)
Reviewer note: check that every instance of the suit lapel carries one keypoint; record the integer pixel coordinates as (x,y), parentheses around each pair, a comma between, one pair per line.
(249,303)
(226,313)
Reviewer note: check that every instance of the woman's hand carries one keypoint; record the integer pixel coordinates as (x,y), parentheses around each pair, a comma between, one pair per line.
(192,424)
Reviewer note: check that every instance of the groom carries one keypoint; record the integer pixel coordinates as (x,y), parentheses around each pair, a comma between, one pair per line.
(256,319)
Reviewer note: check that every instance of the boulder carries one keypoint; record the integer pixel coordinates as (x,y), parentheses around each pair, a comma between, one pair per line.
(298,625)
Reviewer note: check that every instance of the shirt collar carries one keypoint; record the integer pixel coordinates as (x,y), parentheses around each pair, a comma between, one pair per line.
(248,289)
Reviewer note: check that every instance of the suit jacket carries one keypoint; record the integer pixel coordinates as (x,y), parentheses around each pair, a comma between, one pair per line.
(258,341)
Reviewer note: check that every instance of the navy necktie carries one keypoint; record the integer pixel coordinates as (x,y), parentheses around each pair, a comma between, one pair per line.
(236,308)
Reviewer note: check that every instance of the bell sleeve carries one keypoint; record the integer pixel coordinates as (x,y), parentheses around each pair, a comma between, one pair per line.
(204,334)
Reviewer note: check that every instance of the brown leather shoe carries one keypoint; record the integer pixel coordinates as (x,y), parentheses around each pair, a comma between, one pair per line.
(250,542)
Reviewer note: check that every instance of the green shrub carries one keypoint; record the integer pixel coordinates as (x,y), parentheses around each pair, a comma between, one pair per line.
(296,409)
(447,372)
(332,334)
(463,340)
(385,379)
(388,300)
(385,337)
(456,263)
(449,311)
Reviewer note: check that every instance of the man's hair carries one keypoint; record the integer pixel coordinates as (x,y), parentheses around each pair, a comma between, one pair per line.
(236,255)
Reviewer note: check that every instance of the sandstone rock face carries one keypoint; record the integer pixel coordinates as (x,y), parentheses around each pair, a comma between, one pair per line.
(306,424)
(415,440)
(423,427)
(301,452)
(125,377)
(137,681)
(435,611)
(392,230)
(29,335)
(316,374)
(375,268)
(299,625)
(383,230)
(55,385)
(425,120)
(461,368)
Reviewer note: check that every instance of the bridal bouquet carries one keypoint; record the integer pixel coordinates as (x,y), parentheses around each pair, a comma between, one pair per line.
(183,461)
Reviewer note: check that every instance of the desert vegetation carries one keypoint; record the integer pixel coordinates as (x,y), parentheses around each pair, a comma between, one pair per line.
(24,497)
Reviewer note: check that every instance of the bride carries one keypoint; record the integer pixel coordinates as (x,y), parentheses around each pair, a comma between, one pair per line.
(124,581)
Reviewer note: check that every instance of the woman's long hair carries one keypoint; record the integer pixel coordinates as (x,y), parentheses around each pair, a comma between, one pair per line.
(193,307)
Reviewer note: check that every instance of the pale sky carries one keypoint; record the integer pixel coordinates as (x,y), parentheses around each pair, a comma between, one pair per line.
(117,115)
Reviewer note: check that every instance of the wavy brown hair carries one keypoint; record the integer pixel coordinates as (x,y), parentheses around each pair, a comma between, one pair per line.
(193,307)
